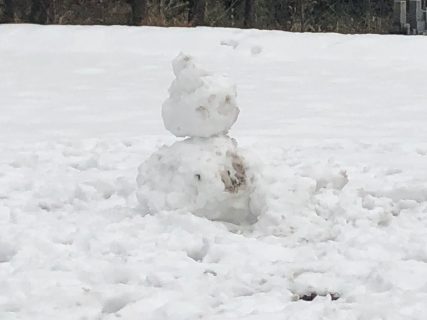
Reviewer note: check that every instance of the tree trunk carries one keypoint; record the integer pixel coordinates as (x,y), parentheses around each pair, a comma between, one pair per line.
(139,11)
(196,12)
(38,12)
(302,15)
(8,10)
(367,10)
(248,21)
(230,10)
(280,14)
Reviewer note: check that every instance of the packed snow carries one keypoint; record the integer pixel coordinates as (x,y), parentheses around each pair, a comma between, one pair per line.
(205,176)
(200,104)
(332,131)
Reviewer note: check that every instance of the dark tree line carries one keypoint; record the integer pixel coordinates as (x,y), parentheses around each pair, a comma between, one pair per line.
(346,16)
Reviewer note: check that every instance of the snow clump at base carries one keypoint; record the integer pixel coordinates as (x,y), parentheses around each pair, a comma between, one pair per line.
(204,176)
(200,104)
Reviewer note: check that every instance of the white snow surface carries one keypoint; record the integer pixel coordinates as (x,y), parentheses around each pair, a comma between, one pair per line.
(334,127)
(200,104)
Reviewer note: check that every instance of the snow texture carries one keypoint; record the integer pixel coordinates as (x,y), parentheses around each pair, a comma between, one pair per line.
(205,176)
(332,130)
(200,104)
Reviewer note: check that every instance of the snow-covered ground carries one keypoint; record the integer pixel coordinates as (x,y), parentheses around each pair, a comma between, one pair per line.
(334,127)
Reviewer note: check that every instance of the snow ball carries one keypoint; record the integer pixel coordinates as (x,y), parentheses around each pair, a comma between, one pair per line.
(200,104)
(207,177)
(199,251)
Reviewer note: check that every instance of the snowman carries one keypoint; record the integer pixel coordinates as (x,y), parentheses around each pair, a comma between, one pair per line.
(205,174)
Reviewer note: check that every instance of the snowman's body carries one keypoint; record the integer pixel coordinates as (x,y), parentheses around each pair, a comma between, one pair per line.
(204,174)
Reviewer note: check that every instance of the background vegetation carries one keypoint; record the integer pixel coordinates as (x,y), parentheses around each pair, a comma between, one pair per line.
(346,16)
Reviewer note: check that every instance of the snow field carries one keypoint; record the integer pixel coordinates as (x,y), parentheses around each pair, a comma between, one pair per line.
(332,127)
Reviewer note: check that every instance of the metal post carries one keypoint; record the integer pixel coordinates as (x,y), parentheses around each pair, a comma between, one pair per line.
(415,17)
(399,16)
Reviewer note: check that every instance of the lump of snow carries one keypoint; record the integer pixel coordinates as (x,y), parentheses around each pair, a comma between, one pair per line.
(200,104)
(207,177)
(327,177)
(114,304)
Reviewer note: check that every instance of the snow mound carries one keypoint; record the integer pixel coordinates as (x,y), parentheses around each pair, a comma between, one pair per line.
(207,177)
(200,104)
